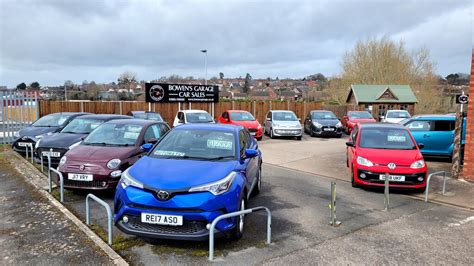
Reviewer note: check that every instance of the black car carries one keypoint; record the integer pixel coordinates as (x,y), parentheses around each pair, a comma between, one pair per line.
(70,136)
(48,124)
(322,123)
(148,115)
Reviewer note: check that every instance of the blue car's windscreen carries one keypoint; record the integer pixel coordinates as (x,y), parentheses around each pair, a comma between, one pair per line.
(323,115)
(386,138)
(196,144)
(81,126)
(52,120)
(114,135)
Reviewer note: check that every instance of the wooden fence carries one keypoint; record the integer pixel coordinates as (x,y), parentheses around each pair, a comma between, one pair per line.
(169,110)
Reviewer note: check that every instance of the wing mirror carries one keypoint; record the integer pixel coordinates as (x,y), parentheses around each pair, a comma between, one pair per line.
(350,144)
(147,147)
(251,153)
(421,146)
(269,119)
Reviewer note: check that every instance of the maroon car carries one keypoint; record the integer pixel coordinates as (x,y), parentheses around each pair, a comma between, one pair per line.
(98,162)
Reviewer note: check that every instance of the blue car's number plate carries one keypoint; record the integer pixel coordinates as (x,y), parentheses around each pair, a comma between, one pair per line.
(162,219)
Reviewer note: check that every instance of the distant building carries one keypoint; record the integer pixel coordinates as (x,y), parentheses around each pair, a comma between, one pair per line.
(377,99)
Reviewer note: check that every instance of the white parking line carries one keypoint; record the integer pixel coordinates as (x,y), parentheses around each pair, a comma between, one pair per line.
(468,219)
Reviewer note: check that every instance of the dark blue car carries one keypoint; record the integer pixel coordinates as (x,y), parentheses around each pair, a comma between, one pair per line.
(194,174)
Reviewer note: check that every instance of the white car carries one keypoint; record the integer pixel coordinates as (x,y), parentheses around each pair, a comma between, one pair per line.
(395,116)
(282,123)
(192,116)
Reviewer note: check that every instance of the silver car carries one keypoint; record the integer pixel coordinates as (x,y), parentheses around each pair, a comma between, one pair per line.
(282,123)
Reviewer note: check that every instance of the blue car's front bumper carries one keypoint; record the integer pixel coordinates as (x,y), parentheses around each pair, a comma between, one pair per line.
(198,209)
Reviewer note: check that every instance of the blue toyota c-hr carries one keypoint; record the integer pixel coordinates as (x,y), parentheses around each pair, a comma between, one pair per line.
(191,176)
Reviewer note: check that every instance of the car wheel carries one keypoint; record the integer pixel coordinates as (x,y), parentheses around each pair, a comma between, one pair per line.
(259,138)
(353,183)
(271,133)
(258,186)
(238,230)
(298,138)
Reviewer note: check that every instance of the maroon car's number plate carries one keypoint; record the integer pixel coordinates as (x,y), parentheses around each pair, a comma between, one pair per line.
(396,178)
(79,177)
(162,219)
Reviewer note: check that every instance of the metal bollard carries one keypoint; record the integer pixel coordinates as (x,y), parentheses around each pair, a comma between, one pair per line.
(109,214)
(332,206)
(49,170)
(26,152)
(41,160)
(31,147)
(386,201)
(427,189)
(444,183)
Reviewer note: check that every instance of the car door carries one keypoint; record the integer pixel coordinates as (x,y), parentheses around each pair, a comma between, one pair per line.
(421,132)
(351,150)
(251,164)
(268,121)
(307,123)
(442,136)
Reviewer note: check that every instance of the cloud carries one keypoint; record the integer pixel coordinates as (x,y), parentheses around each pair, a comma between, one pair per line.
(53,41)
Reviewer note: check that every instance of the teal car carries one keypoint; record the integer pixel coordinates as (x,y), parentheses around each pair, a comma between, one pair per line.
(436,132)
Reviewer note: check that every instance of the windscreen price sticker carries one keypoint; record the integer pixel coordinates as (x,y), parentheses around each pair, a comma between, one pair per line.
(396,138)
(219,144)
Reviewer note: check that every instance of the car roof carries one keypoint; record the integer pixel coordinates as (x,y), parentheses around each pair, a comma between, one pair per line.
(213,127)
(193,111)
(143,112)
(237,111)
(434,116)
(70,113)
(381,125)
(135,121)
(105,116)
(281,111)
(356,111)
(321,111)
(397,110)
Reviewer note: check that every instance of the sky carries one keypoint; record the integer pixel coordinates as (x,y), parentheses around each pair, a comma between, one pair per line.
(51,41)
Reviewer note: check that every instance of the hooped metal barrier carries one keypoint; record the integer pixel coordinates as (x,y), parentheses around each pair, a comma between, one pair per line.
(61,182)
(49,168)
(109,214)
(30,146)
(427,190)
(233,214)
(386,199)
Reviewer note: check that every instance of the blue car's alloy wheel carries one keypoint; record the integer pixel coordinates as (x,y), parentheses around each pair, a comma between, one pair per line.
(238,230)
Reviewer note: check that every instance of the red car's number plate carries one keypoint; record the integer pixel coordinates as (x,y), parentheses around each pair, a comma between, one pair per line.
(162,219)
(396,178)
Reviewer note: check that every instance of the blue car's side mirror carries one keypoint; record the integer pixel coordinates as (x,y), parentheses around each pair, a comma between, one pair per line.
(250,153)
(147,147)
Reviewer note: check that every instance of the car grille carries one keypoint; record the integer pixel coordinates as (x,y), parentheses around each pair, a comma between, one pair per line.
(252,130)
(54,159)
(409,178)
(188,227)
(139,206)
(23,149)
(288,131)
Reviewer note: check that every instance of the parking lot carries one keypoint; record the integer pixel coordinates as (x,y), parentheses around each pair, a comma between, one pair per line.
(296,182)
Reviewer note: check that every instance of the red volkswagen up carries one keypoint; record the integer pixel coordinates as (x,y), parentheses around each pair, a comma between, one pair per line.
(375,149)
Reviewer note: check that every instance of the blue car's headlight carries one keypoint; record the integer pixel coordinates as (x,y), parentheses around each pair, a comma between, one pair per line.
(127,180)
(217,187)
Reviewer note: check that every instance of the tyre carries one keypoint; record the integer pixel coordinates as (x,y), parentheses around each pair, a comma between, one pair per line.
(238,229)
(259,138)
(298,138)
(271,134)
(258,187)
(353,183)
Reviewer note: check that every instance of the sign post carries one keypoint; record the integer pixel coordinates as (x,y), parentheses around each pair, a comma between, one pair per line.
(181,93)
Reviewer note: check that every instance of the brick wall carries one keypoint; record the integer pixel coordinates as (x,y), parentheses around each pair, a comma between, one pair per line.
(468,169)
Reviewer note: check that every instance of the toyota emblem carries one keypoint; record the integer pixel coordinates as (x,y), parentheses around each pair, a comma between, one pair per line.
(163,195)
(392,166)
(82,167)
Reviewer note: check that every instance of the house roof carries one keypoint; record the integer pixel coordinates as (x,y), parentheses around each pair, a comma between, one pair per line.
(386,93)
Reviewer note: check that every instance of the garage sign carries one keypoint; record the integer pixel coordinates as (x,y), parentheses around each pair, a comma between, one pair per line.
(462,98)
(163,93)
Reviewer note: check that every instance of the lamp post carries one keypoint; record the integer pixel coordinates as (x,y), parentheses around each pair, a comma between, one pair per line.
(205,65)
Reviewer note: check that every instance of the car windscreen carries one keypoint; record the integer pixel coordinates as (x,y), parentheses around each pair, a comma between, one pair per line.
(196,144)
(150,116)
(52,120)
(323,115)
(386,138)
(241,116)
(82,125)
(114,134)
(398,114)
(198,118)
(360,115)
(284,116)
